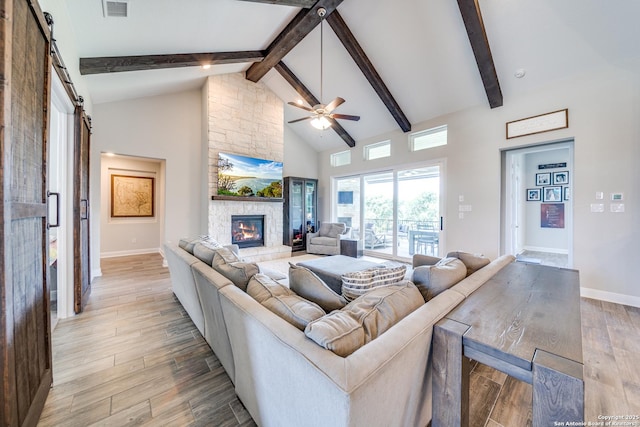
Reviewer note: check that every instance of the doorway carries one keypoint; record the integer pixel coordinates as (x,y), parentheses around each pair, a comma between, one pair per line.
(537,208)
(60,187)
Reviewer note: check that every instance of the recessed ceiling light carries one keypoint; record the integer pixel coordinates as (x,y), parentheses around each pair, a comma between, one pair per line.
(206,66)
(520,72)
(300,102)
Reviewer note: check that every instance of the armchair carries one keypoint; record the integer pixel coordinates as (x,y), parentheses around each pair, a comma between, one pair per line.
(326,241)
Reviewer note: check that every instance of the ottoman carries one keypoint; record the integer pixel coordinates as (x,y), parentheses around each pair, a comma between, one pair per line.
(330,269)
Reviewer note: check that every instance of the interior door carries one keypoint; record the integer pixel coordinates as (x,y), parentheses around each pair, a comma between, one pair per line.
(25,341)
(82,266)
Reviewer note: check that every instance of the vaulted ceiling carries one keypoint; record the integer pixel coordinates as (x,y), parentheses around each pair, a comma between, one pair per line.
(396,63)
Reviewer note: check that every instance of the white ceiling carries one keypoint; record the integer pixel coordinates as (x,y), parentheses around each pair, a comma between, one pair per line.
(419,48)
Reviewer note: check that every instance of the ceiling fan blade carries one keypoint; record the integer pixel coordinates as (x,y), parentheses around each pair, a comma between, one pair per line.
(295,104)
(299,120)
(345,117)
(333,105)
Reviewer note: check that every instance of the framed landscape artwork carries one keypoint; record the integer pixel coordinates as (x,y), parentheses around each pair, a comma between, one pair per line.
(132,196)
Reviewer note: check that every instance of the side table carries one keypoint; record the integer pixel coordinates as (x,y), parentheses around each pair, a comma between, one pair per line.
(351,247)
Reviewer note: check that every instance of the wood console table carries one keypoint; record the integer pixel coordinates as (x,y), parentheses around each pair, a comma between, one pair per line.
(525,322)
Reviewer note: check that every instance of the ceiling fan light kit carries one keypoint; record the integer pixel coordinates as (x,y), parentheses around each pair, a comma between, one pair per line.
(321,113)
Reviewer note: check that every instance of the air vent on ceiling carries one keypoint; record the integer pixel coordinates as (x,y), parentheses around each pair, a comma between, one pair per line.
(115,8)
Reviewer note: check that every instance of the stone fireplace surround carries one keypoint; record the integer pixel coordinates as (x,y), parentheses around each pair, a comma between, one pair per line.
(244,118)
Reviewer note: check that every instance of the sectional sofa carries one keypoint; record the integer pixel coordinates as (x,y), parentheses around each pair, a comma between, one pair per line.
(286,379)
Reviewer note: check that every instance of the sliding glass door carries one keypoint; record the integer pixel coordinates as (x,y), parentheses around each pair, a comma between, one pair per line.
(418,211)
(396,213)
(378,213)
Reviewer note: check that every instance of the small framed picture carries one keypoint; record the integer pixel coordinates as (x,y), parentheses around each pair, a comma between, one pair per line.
(561,178)
(552,194)
(543,178)
(566,193)
(534,194)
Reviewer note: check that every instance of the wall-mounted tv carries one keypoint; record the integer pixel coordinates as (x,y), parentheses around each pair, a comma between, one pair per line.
(241,176)
(345,197)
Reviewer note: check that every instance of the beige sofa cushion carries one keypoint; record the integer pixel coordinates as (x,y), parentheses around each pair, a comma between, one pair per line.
(227,263)
(283,302)
(364,319)
(473,262)
(433,279)
(305,283)
(359,282)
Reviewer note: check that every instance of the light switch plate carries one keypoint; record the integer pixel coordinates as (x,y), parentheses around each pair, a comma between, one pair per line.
(617,207)
(599,195)
(597,207)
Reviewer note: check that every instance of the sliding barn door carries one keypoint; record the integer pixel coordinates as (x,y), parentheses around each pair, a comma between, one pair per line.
(82,267)
(25,341)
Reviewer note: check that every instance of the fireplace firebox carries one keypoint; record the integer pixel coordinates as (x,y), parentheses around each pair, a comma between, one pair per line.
(247,230)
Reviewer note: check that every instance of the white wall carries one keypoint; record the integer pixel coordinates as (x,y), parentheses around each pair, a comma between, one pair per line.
(63,33)
(129,236)
(604,107)
(300,159)
(163,127)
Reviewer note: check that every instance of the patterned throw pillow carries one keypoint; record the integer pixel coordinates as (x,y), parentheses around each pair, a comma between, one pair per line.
(360,282)
(210,242)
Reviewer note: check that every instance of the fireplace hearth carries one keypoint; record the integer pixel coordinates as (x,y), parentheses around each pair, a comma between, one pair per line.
(247,230)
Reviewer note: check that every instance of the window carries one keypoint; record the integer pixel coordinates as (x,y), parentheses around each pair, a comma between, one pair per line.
(429,138)
(340,159)
(377,150)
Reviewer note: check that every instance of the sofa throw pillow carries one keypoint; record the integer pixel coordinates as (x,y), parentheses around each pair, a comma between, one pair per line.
(338,331)
(203,253)
(227,263)
(187,243)
(433,279)
(473,262)
(210,242)
(283,302)
(361,321)
(358,283)
(308,285)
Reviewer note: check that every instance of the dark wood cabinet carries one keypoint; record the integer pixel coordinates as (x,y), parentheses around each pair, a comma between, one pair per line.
(300,210)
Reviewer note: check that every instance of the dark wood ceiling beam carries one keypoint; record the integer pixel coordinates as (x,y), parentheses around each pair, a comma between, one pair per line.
(298,3)
(362,61)
(472,17)
(299,27)
(115,64)
(306,94)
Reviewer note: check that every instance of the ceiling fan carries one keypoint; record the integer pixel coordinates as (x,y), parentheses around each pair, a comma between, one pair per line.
(321,113)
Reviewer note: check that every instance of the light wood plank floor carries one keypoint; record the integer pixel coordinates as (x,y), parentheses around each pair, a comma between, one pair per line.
(134,358)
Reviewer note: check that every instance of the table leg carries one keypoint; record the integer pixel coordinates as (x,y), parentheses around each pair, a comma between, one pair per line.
(558,390)
(450,375)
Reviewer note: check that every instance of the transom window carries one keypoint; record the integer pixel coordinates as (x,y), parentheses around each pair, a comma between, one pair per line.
(341,159)
(429,138)
(377,150)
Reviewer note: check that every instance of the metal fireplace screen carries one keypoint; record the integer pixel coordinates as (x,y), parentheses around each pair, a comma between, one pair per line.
(247,230)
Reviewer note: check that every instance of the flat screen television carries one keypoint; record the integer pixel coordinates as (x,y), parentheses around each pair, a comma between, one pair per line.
(242,176)
(345,197)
